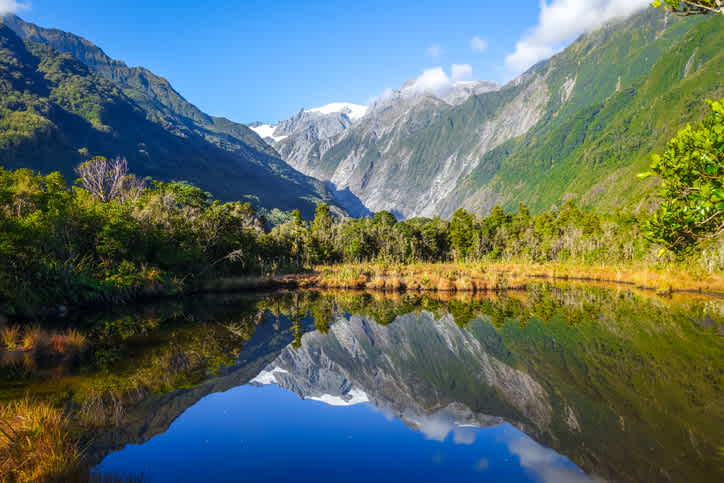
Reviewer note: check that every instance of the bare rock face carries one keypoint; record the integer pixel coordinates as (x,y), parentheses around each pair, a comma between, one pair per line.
(305,132)
(361,149)
(380,155)
(513,120)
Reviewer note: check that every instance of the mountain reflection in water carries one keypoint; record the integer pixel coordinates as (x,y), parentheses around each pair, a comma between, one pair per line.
(554,384)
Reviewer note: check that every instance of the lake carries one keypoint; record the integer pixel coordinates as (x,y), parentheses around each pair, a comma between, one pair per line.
(557,383)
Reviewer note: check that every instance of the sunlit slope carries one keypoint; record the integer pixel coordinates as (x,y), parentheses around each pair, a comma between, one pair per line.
(55,112)
(633,87)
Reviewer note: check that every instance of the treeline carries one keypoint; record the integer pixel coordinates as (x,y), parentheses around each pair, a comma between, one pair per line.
(560,235)
(74,246)
(112,236)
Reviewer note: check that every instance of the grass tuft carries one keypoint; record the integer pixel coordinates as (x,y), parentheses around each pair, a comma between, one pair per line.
(9,337)
(34,442)
(34,338)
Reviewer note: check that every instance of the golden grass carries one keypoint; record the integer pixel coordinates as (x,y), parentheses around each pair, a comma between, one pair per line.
(483,277)
(35,338)
(34,442)
(9,337)
(71,342)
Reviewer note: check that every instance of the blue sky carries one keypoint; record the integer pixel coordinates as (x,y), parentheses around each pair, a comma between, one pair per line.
(250,60)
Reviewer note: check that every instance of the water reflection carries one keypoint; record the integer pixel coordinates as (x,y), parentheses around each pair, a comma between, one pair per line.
(268,434)
(530,385)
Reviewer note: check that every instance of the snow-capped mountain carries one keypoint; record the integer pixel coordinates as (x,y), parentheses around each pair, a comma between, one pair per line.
(329,142)
(326,121)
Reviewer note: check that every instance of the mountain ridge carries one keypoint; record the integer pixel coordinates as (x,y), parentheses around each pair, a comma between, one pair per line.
(58,112)
(572,127)
(153,92)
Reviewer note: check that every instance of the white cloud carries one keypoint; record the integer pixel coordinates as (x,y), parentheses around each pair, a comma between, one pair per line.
(545,463)
(526,54)
(477,44)
(464,435)
(462,72)
(388,92)
(11,6)
(435,50)
(436,81)
(560,21)
(432,80)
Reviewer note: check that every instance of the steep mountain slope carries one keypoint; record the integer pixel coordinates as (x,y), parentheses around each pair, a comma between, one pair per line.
(54,112)
(592,116)
(612,98)
(152,93)
(578,126)
(296,137)
(343,147)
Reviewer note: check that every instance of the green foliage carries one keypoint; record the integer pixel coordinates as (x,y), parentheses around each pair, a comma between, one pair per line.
(66,246)
(691,8)
(62,246)
(460,233)
(692,170)
(636,83)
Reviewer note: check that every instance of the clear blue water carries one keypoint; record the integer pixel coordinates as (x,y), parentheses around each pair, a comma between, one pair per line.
(269,434)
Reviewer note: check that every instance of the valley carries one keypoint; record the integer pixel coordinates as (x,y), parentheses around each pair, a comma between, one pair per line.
(517,279)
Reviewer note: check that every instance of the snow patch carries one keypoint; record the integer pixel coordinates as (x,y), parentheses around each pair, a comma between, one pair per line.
(267,377)
(354,396)
(353,111)
(267,131)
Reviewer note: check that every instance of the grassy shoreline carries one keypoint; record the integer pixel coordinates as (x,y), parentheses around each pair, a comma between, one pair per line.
(477,277)
(482,277)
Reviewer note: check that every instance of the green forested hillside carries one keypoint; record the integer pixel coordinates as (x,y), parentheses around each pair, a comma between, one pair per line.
(153,93)
(55,112)
(634,86)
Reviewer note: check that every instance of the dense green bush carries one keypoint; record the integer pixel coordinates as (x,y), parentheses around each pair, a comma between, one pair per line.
(60,245)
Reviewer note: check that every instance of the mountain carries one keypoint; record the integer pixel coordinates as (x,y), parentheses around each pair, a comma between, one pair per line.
(578,126)
(360,360)
(325,121)
(337,141)
(294,138)
(606,103)
(153,93)
(57,110)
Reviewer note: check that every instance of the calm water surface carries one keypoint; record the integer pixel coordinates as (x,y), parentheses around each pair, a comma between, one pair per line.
(555,384)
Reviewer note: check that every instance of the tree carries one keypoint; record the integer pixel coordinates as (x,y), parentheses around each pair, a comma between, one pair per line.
(692,170)
(322,236)
(297,233)
(384,218)
(685,7)
(102,178)
(460,232)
